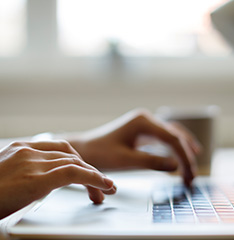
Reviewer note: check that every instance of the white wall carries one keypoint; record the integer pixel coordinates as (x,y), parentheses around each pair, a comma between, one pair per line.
(43,90)
(33,102)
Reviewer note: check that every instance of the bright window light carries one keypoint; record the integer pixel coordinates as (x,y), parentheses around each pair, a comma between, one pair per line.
(12,26)
(139,27)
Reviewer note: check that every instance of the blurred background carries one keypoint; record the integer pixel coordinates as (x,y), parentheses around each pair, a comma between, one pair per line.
(71,65)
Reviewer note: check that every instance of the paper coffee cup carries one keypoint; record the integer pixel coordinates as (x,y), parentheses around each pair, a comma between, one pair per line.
(201,121)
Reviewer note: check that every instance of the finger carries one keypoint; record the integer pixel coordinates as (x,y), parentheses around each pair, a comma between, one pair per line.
(96,195)
(189,136)
(149,161)
(111,191)
(188,163)
(71,173)
(151,127)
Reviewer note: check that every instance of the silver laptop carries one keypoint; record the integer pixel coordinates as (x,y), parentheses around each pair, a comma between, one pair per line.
(148,205)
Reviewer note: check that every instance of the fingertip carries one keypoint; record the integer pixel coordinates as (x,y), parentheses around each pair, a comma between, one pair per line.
(111,191)
(108,182)
(189,176)
(188,182)
(97,197)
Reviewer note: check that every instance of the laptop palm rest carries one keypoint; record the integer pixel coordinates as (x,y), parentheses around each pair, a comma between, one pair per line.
(71,206)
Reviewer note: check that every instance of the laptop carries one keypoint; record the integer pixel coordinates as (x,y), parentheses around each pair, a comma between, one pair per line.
(147,205)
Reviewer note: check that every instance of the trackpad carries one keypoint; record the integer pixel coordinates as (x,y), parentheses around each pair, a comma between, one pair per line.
(71,205)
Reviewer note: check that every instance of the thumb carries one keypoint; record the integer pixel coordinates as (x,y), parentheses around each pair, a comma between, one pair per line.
(149,161)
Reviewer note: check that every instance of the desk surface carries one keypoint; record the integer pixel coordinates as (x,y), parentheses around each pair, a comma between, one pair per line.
(223,163)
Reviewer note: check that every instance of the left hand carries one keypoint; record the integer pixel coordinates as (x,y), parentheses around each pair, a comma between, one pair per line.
(113,146)
(31,170)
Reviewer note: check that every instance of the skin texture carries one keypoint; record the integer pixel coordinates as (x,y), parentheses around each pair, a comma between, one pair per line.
(31,170)
(114,145)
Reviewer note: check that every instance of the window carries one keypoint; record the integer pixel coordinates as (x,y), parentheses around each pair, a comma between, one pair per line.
(12,27)
(139,27)
(130,27)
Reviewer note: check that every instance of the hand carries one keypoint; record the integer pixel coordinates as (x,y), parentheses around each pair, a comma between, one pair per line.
(31,170)
(113,146)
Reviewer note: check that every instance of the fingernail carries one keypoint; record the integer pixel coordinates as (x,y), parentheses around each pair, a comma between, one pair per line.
(109,183)
(114,188)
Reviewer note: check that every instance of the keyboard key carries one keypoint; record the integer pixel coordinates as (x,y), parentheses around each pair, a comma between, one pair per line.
(192,205)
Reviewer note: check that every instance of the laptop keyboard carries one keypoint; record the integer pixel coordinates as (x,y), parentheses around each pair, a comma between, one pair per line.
(200,204)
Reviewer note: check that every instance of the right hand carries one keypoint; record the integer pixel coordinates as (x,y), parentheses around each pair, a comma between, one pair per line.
(113,146)
(31,170)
